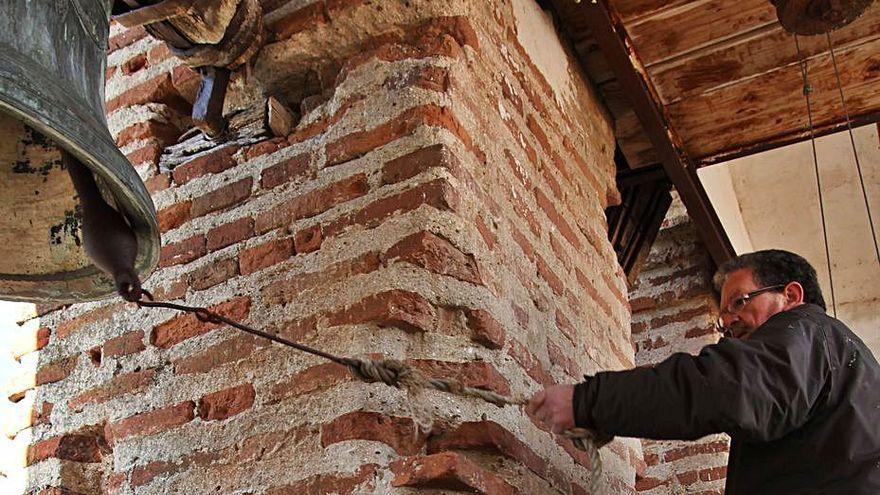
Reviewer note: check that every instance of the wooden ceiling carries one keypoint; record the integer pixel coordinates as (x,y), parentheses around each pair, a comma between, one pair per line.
(726,74)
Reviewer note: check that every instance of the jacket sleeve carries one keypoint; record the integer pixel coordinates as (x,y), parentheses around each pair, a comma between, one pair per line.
(759,389)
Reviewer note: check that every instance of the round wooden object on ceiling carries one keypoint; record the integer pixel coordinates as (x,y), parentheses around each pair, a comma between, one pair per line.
(810,17)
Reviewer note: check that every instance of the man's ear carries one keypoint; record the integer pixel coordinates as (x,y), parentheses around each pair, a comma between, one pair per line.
(794,294)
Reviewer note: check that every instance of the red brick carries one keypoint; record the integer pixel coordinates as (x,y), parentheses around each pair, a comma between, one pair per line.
(530,363)
(395,308)
(71,447)
(438,193)
(158,183)
(228,351)
(448,471)
(263,148)
(401,434)
(547,273)
(186,81)
(311,379)
(147,154)
(175,289)
(156,90)
(693,449)
(120,385)
(309,239)
(126,38)
(284,291)
(174,216)
(558,220)
(307,17)
(644,483)
(134,64)
(265,255)
(485,329)
(436,255)
(416,162)
(429,77)
(213,274)
(213,162)
(312,203)
(187,326)
(566,328)
(66,328)
(560,358)
(183,252)
(487,234)
(151,422)
(360,143)
(158,53)
(56,370)
(125,344)
(297,167)
(361,481)
(230,233)
(475,374)
(700,331)
(162,132)
(226,403)
(224,197)
(490,437)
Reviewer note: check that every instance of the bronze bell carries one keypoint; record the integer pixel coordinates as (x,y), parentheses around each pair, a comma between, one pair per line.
(812,17)
(53,127)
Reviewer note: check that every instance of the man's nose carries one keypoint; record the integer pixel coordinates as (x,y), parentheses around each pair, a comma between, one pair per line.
(728,319)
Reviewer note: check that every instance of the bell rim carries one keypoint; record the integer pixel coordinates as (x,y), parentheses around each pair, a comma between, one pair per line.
(131,195)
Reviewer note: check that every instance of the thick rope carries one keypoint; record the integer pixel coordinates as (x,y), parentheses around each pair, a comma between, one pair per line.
(402,376)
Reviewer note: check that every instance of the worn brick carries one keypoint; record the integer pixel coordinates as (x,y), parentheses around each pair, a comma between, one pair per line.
(438,193)
(224,197)
(213,274)
(229,234)
(151,422)
(213,162)
(297,167)
(156,90)
(127,383)
(126,38)
(530,363)
(309,239)
(311,379)
(448,471)
(56,370)
(360,143)
(162,132)
(485,329)
(125,344)
(401,434)
(312,203)
(228,351)
(361,481)
(265,255)
(395,308)
(187,326)
(476,374)
(226,403)
(75,324)
(173,216)
(487,436)
(437,255)
(182,252)
(287,290)
(70,447)
(416,162)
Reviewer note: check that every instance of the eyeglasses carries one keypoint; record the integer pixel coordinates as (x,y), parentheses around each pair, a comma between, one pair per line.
(738,303)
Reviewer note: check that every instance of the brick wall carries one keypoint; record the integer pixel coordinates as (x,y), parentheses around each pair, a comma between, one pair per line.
(440,201)
(673,310)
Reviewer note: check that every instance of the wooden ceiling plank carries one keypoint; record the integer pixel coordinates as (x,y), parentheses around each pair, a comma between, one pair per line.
(771,106)
(613,40)
(705,70)
(664,38)
(632,12)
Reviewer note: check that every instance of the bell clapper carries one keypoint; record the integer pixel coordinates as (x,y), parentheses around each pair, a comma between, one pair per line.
(108,240)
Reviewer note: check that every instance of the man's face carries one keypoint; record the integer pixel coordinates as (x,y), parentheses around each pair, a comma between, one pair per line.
(743,323)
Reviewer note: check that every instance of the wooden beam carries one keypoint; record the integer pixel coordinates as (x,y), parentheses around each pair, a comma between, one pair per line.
(618,49)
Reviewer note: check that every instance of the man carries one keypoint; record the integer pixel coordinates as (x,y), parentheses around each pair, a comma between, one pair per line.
(796,390)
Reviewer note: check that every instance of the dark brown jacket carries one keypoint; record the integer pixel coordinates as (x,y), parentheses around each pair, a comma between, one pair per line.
(800,400)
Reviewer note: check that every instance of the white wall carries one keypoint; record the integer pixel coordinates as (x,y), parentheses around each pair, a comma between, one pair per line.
(775,200)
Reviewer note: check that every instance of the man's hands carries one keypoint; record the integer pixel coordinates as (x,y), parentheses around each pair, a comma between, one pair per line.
(553,407)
